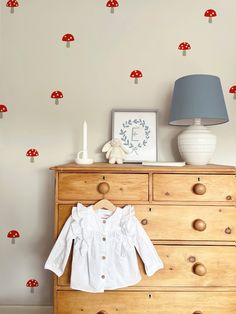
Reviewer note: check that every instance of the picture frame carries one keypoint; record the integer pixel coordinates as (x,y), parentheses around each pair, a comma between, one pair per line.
(138,132)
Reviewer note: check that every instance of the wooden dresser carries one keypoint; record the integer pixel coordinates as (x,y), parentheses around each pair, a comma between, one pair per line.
(188,212)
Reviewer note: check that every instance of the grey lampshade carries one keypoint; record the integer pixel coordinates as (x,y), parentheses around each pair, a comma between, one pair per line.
(198,96)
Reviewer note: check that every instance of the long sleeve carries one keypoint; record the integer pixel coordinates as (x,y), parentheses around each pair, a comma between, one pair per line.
(58,257)
(145,248)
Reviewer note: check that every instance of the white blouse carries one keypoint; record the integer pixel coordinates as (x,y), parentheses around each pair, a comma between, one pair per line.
(104,256)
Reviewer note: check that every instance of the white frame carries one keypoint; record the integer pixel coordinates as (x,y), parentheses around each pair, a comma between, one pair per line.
(120,124)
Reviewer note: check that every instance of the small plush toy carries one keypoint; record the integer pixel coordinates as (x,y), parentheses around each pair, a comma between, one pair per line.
(115,151)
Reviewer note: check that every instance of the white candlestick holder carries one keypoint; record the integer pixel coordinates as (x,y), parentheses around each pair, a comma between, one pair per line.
(84,160)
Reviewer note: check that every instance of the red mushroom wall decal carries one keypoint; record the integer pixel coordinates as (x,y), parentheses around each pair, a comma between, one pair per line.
(136,74)
(210,13)
(32,283)
(68,38)
(3,108)
(57,94)
(232,90)
(184,46)
(112,4)
(32,152)
(12,4)
(13,234)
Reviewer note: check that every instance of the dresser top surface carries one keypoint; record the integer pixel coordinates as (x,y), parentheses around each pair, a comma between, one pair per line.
(138,168)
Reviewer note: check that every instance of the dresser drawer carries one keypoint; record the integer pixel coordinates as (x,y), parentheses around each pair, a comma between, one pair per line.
(161,224)
(193,266)
(91,186)
(179,222)
(186,266)
(166,222)
(74,302)
(199,188)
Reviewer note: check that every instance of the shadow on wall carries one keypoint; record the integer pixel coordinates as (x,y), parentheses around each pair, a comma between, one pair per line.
(42,244)
(174,149)
(47,239)
(172,133)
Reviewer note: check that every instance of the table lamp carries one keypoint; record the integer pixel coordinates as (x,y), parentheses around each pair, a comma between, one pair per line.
(197,101)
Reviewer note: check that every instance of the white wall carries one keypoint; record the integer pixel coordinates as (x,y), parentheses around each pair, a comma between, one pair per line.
(26,309)
(94,77)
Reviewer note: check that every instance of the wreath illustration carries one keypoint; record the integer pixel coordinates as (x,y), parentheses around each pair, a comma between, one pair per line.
(126,139)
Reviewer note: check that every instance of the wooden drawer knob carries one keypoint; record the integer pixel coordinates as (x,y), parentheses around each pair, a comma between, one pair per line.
(199,189)
(102,312)
(103,187)
(197,312)
(199,225)
(144,222)
(199,269)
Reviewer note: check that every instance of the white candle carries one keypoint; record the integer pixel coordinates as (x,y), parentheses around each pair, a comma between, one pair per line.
(85,140)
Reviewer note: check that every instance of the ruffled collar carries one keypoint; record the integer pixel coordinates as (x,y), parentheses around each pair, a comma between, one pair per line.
(110,218)
(121,213)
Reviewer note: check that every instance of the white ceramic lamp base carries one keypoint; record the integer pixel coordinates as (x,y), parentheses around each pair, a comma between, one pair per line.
(197,144)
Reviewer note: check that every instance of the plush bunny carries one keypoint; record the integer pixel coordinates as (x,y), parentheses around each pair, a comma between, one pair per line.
(115,151)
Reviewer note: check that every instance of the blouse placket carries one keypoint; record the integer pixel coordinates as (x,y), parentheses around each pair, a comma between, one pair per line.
(103,223)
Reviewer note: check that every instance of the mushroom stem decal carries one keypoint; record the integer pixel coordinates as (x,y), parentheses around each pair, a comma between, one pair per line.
(57,94)
(184,46)
(3,108)
(32,152)
(68,38)
(232,90)
(210,13)
(13,234)
(112,4)
(32,283)
(12,4)
(136,74)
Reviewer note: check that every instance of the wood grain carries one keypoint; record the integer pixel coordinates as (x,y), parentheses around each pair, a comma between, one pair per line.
(178,270)
(74,302)
(166,204)
(84,186)
(179,262)
(179,187)
(176,222)
(137,168)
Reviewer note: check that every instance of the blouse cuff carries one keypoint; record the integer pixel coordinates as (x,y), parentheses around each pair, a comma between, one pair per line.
(54,269)
(151,270)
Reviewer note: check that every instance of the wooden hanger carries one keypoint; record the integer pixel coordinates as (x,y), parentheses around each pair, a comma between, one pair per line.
(105,204)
